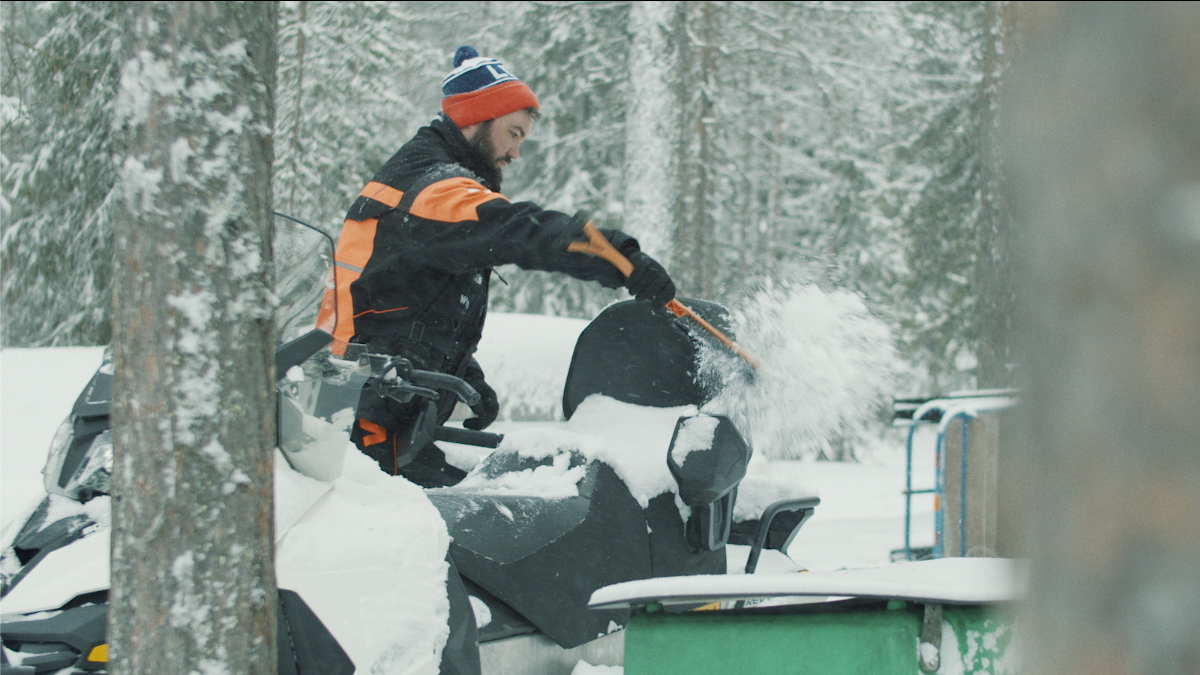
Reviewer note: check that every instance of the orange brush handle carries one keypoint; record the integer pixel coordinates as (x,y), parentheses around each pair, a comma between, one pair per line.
(601,247)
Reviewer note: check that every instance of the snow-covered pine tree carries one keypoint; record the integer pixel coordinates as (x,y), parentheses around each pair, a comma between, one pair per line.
(653,124)
(60,74)
(573,56)
(993,277)
(957,305)
(354,83)
(698,199)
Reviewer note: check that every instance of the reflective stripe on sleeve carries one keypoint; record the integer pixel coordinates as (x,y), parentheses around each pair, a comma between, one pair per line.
(384,194)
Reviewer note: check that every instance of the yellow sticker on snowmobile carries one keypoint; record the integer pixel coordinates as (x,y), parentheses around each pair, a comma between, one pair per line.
(99,654)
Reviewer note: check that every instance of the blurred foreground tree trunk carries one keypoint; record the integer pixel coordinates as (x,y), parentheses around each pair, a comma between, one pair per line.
(1105,153)
(193,583)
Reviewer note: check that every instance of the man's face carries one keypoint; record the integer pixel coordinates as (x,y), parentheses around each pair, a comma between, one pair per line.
(499,141)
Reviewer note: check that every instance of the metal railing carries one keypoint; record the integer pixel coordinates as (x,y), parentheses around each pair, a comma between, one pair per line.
(964,406)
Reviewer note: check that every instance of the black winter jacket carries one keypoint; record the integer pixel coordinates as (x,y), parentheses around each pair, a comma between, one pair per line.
(415,255)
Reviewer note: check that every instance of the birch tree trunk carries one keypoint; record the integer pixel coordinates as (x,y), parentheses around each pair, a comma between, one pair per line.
(193,583)
(1106,160)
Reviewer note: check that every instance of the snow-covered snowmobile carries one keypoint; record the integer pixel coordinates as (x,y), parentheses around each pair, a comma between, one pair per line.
(641,481)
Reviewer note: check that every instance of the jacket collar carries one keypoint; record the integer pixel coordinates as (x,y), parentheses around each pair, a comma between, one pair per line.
(462,152)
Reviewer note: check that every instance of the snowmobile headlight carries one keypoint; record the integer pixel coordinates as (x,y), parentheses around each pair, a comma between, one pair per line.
(93,475)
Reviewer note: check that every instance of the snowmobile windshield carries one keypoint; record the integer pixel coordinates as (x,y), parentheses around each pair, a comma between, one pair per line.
(303,259)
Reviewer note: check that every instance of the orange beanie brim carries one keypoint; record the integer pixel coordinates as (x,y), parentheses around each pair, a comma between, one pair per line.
(488,104)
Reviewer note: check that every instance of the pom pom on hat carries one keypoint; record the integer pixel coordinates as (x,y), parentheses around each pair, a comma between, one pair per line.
(481,89)
(464,52)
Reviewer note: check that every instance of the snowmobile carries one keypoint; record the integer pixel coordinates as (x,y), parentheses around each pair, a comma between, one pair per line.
(541,522)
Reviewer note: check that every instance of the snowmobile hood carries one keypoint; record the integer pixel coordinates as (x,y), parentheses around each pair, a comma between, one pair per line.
(76,569)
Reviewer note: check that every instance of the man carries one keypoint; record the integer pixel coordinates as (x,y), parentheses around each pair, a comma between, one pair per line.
(418,246)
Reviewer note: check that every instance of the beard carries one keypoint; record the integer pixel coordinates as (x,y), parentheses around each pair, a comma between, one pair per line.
(489,159)
(482,143)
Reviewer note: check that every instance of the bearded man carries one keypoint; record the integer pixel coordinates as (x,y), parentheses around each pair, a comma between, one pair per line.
(416,253)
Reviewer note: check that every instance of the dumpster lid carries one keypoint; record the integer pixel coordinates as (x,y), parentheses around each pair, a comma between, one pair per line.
(966,581)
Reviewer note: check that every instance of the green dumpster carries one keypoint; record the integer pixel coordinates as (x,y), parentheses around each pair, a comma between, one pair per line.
(946,616)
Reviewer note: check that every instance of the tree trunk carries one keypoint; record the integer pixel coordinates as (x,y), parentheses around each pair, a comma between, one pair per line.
(296,152)
(1106,161)
(695,231)
(652,129)
(993,297)
(193,583)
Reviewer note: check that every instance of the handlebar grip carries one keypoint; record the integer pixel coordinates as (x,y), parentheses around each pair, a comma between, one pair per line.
(482,439)
(432,380)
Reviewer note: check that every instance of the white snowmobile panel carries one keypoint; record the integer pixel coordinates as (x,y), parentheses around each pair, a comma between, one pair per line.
(78,568)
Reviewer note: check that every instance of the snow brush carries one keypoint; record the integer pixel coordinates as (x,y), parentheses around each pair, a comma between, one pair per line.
(599,246)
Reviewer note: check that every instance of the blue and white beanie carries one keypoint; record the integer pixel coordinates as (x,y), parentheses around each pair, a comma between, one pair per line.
(481,89)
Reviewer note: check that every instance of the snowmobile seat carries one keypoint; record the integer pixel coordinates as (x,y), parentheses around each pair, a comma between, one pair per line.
(639,354)
(708,459)
(508,545)
(642,355)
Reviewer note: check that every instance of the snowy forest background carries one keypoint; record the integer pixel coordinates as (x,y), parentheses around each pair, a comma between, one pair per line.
(748,145)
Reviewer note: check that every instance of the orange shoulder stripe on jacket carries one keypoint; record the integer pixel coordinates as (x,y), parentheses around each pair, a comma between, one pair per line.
(452,200)
(384,194)
(357,242)
(336,315)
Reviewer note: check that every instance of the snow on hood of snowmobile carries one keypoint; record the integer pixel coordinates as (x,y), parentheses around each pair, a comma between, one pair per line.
(367,552)
(78,568)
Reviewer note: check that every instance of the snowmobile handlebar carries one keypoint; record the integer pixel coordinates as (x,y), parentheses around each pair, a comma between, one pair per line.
(599,246)
(395,378)
(482,439)
(465,392)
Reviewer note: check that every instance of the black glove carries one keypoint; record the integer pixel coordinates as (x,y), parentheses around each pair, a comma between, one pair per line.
(649,281)
(489,404)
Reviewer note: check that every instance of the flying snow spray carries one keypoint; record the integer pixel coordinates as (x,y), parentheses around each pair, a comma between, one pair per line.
(826,364)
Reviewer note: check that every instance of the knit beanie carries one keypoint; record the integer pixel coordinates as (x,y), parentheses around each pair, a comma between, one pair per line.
(481,89)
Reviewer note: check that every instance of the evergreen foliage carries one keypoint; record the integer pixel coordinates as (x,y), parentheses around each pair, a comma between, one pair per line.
(831,142)
(573,57)
(59,81)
